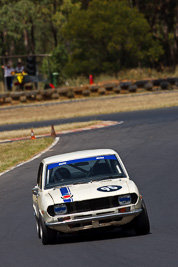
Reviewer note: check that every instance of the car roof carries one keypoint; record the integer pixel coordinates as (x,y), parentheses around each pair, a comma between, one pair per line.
(79,155)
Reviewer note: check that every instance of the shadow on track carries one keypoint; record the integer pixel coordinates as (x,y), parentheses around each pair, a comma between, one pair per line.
(94,235)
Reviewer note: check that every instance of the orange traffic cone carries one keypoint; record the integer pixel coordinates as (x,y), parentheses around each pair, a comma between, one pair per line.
(53,133)
(32,135)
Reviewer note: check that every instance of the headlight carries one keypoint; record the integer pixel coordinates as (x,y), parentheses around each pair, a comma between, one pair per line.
(124,200)
(60,209)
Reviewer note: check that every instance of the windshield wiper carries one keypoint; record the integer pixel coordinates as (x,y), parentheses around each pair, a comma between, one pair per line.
(82,182)
(106,178)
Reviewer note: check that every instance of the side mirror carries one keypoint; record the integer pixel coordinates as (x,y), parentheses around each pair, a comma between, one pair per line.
(35,191)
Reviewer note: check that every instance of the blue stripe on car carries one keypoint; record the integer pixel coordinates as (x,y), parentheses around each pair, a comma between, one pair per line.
(65,191)
(51,166)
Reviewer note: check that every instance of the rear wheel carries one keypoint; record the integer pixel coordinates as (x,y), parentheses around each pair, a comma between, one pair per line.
(141,222)
(48,235)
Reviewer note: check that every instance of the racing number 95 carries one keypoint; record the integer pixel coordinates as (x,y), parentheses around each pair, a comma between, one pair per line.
(109,188)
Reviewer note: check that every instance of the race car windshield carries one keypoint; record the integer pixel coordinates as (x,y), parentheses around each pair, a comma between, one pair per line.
(83,170)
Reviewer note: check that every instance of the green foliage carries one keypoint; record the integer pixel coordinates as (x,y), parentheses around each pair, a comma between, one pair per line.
(91,36)
(56,63)
(107,37)
(15,18)
(162,18)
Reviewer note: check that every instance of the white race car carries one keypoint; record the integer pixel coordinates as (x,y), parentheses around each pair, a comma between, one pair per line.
(84,190)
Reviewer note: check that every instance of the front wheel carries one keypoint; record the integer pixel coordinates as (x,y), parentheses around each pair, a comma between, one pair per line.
(37,226)
(141,222)
(48,235)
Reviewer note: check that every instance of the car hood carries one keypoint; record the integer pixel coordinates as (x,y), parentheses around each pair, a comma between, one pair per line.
(90,190)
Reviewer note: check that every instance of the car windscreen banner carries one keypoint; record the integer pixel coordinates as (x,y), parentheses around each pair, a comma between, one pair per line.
(51,166)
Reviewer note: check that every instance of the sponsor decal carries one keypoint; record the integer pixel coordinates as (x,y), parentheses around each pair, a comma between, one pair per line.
(62,163)
(66,194)
(109,188)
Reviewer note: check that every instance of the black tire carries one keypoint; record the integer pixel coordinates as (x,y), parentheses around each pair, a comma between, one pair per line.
(148,86)
(141,222)
(141,84)
(172,80)
(132,88)
(165,85)
(125,85)
(48,235)
(37,227)
(158,82)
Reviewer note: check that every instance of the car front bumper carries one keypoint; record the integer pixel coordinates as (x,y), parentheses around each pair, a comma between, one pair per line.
(67,221)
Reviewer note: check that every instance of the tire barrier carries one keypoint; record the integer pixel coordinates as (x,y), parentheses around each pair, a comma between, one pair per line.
(125,85)
(158,82)
(102,91)
(109,86)
(86,92)
(94,88)
(23,99)
(62,91)
(148,86)
(70,93)
(78,90)
(132,88)
(55,96)
(115,87)
(141,84)
(165,85)
(172,81)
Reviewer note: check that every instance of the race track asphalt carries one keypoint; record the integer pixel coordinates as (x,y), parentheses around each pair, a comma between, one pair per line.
(147,142)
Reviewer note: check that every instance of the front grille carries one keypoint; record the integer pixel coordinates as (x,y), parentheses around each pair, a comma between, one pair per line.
(92,204)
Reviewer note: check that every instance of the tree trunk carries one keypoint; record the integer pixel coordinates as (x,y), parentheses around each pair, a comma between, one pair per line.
(53,28)
(32,33)
(26,41)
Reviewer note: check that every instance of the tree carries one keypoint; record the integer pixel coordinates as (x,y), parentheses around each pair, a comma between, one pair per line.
(163,20)
(17,26)
(56,63)
(108,36)
(52,15)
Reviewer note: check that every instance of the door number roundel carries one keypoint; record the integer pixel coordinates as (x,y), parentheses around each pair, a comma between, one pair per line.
(109,188)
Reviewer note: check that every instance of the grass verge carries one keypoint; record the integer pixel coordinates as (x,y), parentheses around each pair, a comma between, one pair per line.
(45,130)
(17,152)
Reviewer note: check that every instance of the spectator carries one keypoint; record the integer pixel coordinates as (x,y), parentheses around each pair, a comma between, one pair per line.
(8,75)
(20,67)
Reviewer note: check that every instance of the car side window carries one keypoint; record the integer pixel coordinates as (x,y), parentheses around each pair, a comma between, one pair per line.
(39,177)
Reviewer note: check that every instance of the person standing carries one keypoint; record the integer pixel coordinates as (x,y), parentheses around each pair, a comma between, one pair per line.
(20,67)
(19,70)
(8,75)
